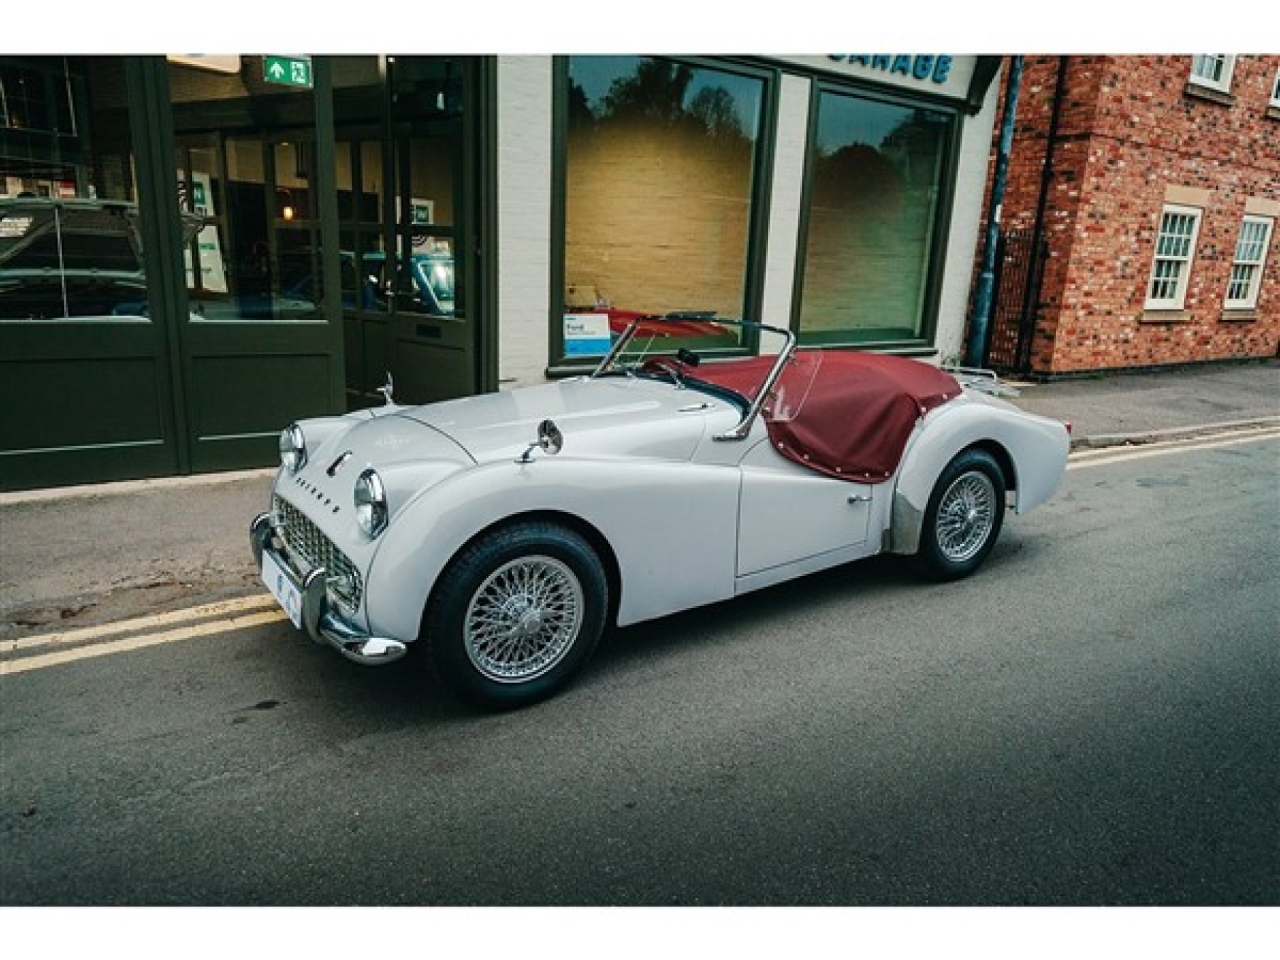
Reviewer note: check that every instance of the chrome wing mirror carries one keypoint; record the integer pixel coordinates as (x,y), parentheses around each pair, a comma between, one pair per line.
(550,441)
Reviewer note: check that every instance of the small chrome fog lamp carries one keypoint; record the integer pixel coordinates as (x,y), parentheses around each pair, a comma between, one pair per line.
(293,448)
(371,503)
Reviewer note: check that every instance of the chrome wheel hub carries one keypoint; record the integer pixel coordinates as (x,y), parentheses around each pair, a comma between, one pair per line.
(523,620)
(966,516)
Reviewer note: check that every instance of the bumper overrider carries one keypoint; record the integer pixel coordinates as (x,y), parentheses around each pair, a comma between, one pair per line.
(319,618)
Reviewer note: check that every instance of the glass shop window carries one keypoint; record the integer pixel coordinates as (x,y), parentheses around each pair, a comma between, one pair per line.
(877,170)
(70,237)
(402,198)
(246,149)
(661,163)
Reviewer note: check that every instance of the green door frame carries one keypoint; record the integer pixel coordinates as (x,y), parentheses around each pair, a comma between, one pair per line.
(474,228)
(161,240)
(113,437)
(175,347)
(484,237)
(246,349)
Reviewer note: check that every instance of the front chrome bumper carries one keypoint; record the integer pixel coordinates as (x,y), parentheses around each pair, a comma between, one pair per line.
(319,619)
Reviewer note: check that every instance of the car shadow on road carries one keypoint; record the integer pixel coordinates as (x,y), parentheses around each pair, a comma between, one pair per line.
(410,693)
(772,609)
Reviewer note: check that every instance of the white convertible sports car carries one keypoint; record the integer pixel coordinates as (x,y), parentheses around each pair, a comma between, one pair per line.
(505,531)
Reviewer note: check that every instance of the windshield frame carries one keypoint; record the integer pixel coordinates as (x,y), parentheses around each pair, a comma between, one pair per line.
(611,363)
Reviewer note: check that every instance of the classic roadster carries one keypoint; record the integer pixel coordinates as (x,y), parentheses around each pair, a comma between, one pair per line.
(505,531)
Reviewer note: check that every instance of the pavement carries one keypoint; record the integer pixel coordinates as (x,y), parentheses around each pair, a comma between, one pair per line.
(75,557)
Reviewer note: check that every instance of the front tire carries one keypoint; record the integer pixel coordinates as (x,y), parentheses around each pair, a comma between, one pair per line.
(516,614)
(963,519)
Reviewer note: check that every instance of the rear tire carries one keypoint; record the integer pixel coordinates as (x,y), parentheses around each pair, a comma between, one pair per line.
(963,519)
(516,614)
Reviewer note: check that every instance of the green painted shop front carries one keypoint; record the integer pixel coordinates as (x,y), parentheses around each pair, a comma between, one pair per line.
(196,250)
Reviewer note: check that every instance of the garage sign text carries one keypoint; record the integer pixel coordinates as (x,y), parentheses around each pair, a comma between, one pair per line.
(927,67)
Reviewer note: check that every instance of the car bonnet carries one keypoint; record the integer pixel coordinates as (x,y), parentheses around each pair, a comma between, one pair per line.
(605,417)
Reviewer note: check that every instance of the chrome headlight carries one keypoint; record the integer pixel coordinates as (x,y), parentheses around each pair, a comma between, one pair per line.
(371,503)
(293,448)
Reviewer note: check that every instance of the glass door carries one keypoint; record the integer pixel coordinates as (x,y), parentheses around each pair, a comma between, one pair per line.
(260,339)
(406,290)
(258,250)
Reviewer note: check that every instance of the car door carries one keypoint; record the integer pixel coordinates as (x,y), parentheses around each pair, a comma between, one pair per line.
(789,514)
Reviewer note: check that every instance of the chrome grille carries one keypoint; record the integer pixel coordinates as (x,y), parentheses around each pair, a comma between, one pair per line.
(304,540)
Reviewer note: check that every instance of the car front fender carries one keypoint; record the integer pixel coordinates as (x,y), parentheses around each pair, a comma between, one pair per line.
(671,526)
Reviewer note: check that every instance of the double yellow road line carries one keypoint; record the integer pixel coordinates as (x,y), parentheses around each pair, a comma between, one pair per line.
(18,656)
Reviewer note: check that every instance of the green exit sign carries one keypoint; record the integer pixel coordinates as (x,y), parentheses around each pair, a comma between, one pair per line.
(287,71)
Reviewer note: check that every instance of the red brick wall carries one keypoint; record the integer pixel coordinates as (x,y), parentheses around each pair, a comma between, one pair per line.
(1128,131)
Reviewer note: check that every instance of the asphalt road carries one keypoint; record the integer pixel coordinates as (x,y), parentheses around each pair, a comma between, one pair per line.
(1092,719)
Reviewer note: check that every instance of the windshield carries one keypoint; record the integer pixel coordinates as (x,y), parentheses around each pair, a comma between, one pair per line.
(773,382)
(790,394)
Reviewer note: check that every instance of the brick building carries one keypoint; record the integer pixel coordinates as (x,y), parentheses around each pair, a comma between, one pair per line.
(1152,184)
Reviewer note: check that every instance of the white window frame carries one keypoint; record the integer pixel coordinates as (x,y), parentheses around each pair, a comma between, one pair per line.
(1179,274)
(1275,91)
(1225,61)
(1248,265)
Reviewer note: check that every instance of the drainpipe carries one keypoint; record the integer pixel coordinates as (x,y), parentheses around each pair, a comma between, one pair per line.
(980,322)
(1042,204)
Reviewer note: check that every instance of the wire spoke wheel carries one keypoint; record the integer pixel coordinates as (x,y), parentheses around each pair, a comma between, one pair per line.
(963,517)
(523,619)
(966,516)
(517,613)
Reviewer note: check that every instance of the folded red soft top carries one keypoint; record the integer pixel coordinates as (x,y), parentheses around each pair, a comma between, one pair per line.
(840,412)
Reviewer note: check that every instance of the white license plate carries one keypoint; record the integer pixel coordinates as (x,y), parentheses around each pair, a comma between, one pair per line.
(282,588)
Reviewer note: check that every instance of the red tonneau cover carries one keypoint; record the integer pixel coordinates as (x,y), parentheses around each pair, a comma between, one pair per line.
(842,413)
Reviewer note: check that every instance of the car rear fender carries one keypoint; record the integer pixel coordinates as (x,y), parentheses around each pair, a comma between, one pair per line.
(1032,451)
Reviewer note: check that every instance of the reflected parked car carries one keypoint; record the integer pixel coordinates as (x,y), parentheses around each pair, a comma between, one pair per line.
(70,258)
(298,296)
(430,286)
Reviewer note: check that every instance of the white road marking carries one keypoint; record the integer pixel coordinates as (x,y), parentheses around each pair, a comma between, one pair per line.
(1110,455)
